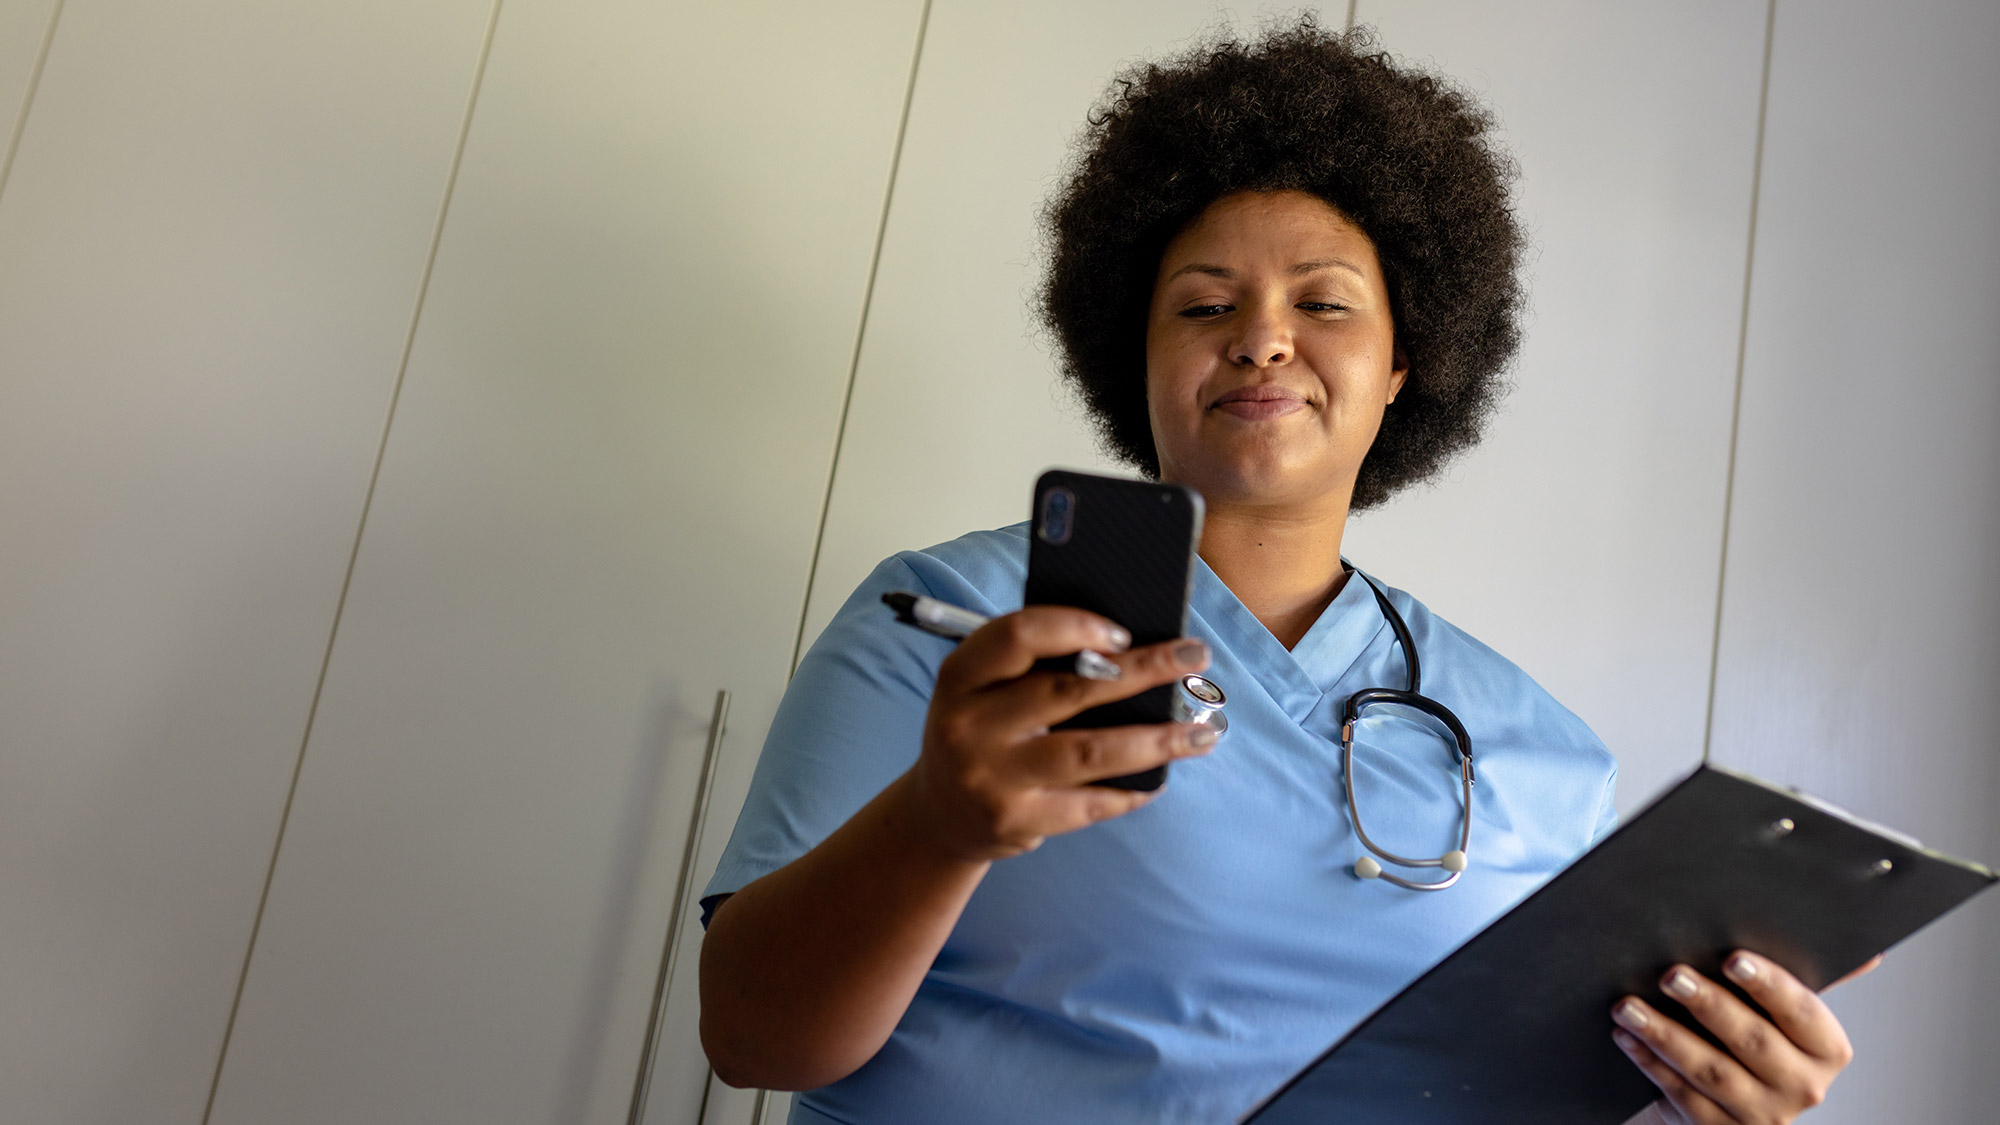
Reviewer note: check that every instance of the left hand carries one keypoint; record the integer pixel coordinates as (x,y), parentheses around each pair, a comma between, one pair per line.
(1780,1060)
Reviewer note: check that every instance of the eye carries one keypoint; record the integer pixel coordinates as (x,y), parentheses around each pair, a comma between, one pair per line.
(1198,312)
(1320,307)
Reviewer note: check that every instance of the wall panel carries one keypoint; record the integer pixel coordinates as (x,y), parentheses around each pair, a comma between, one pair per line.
(956,404)
(1861,630)
(209,247)
(23,25)
(1582,537)
(596,509)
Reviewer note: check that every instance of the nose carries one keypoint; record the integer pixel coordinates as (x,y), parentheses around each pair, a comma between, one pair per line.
(1263,338)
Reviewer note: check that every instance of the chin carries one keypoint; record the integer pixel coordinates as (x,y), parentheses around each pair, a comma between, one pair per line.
(1268,481)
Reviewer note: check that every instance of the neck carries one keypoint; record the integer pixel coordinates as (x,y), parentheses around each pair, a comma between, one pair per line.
(1282,564)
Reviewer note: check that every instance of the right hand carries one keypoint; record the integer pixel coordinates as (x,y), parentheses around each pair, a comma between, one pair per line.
(993,780)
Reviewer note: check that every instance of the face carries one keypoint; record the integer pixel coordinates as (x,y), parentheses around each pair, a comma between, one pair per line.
(1270,352)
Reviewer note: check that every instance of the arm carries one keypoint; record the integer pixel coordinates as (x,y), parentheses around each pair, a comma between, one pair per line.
(806,971)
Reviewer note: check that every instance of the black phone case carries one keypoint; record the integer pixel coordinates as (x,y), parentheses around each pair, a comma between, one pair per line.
(1130,556)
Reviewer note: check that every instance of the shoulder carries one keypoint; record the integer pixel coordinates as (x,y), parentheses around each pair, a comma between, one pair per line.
(852,715)
(982,570)
(1473,668)
(1469,676)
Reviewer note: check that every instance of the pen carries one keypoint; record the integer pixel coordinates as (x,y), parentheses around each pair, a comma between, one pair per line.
(957,623)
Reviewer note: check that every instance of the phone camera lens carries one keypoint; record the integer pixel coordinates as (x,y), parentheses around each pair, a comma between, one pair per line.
(1058,517)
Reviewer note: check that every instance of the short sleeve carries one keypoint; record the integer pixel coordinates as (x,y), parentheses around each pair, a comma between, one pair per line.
(1607,809)
(851,721)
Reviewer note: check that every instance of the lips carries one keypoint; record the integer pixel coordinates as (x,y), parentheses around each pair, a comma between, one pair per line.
(1259,402)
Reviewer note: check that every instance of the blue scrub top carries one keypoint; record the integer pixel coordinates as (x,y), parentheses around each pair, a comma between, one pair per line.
(1181,962)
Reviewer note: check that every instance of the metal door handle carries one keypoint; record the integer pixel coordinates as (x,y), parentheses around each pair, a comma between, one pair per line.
(682,894)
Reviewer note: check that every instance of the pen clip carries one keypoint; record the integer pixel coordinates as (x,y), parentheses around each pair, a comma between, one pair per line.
(905,605)
(933,616)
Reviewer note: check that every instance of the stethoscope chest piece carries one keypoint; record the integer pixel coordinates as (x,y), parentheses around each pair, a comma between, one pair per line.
(1199,702)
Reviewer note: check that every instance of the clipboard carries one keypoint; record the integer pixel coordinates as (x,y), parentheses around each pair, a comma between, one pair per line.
(1515,1025)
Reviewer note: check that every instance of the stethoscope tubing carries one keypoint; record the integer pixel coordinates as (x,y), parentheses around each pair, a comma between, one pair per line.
(1462,745)
(1200,701)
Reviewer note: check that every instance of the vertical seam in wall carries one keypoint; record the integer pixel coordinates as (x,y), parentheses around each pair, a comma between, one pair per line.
(1736,401)
(1351,5)
(354,552)
(860,335)
(28,98)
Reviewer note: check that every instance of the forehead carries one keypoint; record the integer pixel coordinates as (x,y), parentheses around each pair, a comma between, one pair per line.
(1268,229)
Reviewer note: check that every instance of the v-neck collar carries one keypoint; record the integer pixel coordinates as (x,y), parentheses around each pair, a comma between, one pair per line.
(1298,677)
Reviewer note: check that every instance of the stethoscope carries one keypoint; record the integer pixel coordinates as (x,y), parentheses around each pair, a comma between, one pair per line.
(1199,701)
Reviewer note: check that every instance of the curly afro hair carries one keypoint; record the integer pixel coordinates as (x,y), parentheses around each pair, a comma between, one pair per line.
(1402,154)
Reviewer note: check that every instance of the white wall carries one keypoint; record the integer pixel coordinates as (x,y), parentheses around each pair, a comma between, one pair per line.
(210,242)
(596,509)
(600,492)
(24,25)
(1860,643)
(1581,538)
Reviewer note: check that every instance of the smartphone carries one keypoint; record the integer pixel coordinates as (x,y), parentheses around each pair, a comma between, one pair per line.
(1124,549)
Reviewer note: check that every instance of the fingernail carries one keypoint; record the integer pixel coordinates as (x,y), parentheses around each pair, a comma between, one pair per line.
(1094,666)
(1189,653)
(1741,969)
(1200,737)
(1623,1038)
(1631,1015)
(1116,638)
(1680,984)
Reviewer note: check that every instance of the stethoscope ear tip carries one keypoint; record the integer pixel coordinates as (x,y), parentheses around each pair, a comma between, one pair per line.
(1454,861)
(1367,868)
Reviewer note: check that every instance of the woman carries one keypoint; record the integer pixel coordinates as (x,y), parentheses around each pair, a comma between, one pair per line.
(1284,275)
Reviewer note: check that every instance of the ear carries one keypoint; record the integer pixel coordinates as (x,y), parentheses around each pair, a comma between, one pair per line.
(1399,371)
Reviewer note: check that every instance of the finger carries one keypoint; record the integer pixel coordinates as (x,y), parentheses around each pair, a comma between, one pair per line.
(1720,1078)
(1867,967)
(1797,1010)
(1689,1104)
(1754,1040)
(1078,757)
(1043,699)
(1057,811)
(1006,647)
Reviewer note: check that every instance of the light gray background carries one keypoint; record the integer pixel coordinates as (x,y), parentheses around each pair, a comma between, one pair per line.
(414,413)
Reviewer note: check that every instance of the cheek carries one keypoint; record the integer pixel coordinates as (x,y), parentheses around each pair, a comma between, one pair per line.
(1165,416)
(1171,385)
(1363,380)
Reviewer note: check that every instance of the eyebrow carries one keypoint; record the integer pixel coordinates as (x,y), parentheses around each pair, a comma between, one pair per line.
(1299,270)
